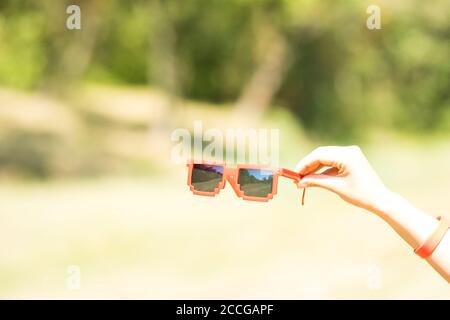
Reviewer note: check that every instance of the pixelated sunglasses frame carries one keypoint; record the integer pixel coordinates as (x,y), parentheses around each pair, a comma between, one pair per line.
(231,174)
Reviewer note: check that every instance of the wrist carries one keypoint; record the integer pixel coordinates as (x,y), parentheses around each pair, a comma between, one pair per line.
(414,225)
(386,203)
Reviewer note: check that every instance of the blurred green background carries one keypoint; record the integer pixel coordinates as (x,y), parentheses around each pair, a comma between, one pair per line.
(86,177)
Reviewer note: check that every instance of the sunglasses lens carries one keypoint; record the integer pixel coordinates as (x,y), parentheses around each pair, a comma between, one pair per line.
(205,177)
(256,183)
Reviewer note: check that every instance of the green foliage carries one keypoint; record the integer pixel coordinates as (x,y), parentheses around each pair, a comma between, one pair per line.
(121,53)
(22,52)
(342,78)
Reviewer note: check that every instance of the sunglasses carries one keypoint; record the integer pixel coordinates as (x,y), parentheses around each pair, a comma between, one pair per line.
(250,182)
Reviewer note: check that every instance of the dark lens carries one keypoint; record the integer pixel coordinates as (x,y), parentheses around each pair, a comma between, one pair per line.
(255,183)
(205,177)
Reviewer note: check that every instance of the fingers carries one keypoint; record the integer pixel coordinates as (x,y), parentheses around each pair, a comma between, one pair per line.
(322,156)
(317,159)
(325,181)
(331,172)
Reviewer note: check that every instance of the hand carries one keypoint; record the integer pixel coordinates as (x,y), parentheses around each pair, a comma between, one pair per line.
(349,174)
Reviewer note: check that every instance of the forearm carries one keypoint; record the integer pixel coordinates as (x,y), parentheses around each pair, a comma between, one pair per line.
(414,226)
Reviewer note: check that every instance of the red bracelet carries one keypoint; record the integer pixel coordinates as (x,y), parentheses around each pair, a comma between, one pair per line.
(427,248)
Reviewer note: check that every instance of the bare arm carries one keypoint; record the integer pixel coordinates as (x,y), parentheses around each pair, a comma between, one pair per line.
(350,175)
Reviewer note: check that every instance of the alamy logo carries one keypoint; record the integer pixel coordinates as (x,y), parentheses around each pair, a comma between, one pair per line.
(374,20)
(73,280)
(73,21)
(374,279)
(236,145)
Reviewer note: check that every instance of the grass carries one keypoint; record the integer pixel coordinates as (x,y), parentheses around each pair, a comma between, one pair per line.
(148,237)
(151,238)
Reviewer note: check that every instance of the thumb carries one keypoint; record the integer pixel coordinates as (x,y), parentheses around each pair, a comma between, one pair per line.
(319,180)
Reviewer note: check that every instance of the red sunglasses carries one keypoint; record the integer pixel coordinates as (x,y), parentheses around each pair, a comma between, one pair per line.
(250,182)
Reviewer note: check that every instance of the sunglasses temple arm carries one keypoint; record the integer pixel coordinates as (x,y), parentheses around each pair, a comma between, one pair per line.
(296,177)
